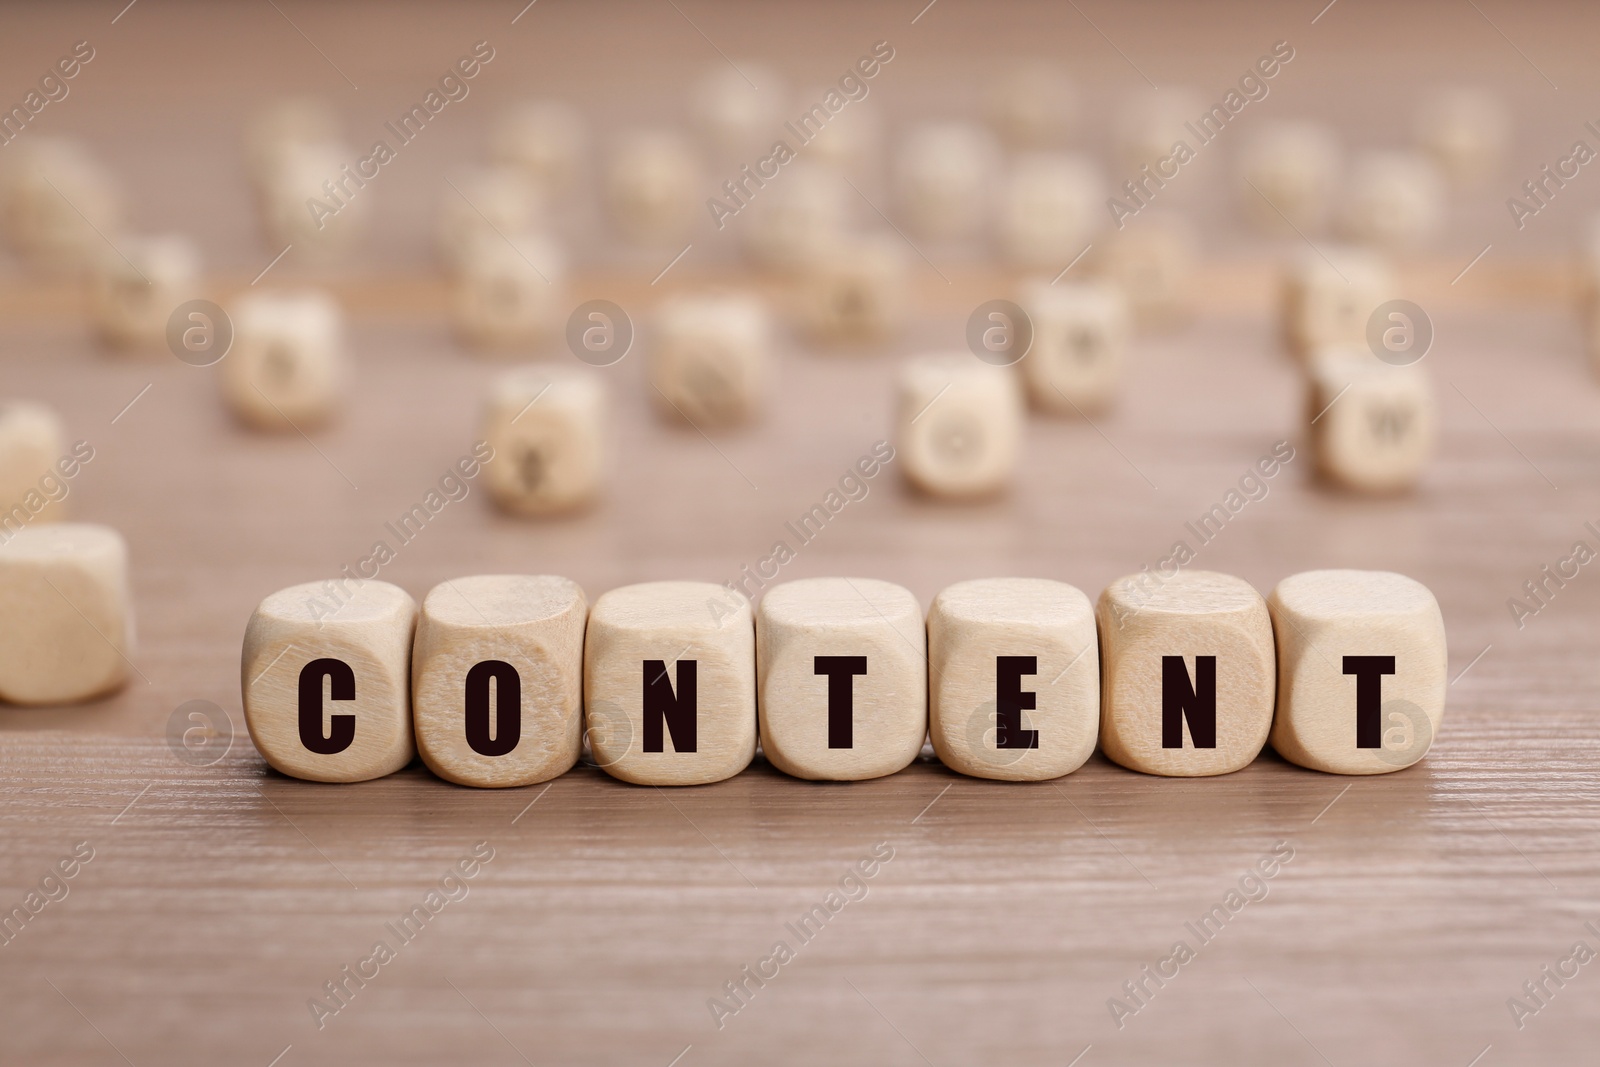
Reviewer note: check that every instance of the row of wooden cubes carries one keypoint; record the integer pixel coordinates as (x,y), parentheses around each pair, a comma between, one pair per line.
(498,680)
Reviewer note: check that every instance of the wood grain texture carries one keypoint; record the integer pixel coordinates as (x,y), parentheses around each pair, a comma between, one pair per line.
(221,897)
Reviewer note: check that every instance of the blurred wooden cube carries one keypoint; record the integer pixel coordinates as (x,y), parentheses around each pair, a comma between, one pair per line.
(1372,424)
(653,186)
(843,678)
(326,679)
(670,683)
(945,179)
(135,288)
(1290,174)
(1188,673)
(738,107)
(509,294)
(1051,205)
(1361,670)
(1014,678)
(1330,295)
(1032,104)
(497,678)
(958,425)
(855,289)
(547,429)
(1395,200)
(1150,121)
(310,200)
(66,613)
(794,220)
(546,139)
(33,441)
(1080,335)
(1466,131)
(286,368)
(711,358)
(498,202)
(59,208)
(1153,261)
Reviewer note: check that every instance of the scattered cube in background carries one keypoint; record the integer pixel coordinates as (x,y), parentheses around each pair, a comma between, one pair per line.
(284,127)
(738,107)
(1372,424)
(486,202)
(945,179)
(58,206)
(136,286)
(66,613)
(298,209)
(1329,296)
(1150,122)
(326,679)
(1289,173)
(1361,670)
(653,186)
(1080,333)
(710,360)
(1032,104)
(546,139)
(1153,261)
(1014,678)
(1395,200)
(497,678)
(286,368)
(1187,671)
(1051,205)
(1465,130)
(669,683)
(959,425)
(843,678)
(32,442)
(855,289)
(792,221)
(509,292)
(547,429)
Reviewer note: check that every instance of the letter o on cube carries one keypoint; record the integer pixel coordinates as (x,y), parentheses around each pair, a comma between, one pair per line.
(351,640)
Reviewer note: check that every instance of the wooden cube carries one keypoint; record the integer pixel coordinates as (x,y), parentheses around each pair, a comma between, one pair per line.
(944,179)
(510,293)
(1151,121)
(310,200)
(1465,130)
(653,186)
(1289,172)
(66,613)
(1375,426)
(958,425)
(1154,264)
(1051,205)
(1032,104)
(738,107)
(497,679)
(136,287)
(286,368)
(546,139)
(1362,670)
(843,678)
(796,219)
(496,203)
(1396,200)
(283,127)
(1013,678)
(547,429)
(58,205)
(1329,297)
(710,361)
(1080,334)
(669,683)
(855,289)
(1188,673)
(326,679)
(33,441)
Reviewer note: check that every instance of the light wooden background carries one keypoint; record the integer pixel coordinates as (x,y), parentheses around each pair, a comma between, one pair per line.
(221,898)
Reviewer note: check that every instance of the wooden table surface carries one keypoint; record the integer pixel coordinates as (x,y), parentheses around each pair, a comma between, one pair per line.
(222,896)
